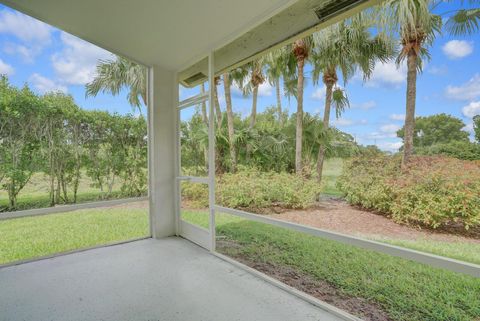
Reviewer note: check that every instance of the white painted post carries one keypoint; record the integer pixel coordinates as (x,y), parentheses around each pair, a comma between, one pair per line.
(211,148)
(162,101)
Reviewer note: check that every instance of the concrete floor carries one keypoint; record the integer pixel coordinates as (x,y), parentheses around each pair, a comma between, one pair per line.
(148,280)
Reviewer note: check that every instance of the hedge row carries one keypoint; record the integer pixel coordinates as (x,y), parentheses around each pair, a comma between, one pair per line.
(430,191)
(253,189)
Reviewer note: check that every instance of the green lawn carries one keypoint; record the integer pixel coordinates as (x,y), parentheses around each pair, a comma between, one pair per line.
(332,169)
(404,289)
(469,252)
(36,193)
(30,237)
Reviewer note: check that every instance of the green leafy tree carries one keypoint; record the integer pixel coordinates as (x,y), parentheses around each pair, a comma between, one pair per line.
(19,142)
(436,129)
(476,127)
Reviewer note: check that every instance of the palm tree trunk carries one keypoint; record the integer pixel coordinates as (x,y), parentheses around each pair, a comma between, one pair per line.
(218,111)
(231,132)
(299,129)
(218,114)
(410,110)
(279,100)
(326,125)
(253,115)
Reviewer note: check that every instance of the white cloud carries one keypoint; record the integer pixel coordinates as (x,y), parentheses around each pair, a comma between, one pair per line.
(75,64)
(388,74)
(468,91)
(390,146)
(471,109)
(24,27)
(437,70)
(44,85)
(26,53)
(365,106)
(456,49)
(33,35)
(468,128)
(6,69)
(344,122)
(319,93)
(390,128)
(397,117)
(265,90)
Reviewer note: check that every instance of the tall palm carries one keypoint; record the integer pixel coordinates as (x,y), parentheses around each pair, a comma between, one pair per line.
(249,78)
(113,75)
(300,51)
(416,26)
(345,48)
(230,127)
(274,70)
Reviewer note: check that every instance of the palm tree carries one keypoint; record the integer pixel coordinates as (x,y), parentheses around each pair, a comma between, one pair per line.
(344,47)
(416,26)
(113,75)
(249,77)
(274,70)
(300,51)
(464,21)
(231,130)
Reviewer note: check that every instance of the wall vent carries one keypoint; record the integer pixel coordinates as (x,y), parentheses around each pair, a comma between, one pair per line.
(192,80)
(334,8)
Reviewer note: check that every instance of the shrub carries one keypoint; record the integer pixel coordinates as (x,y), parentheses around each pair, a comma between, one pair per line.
(253,189)
(431,191)
(458,149)
(366,181)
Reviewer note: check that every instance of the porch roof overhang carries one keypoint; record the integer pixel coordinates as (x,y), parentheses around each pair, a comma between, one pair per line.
(177,35)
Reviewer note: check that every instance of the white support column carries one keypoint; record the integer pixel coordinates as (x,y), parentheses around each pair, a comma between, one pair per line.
(162,101)
(211,148)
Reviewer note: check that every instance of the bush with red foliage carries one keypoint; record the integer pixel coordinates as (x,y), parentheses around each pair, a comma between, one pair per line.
(434,191)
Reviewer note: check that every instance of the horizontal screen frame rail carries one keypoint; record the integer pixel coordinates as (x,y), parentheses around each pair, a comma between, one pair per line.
(421,257)
(68,208)
(193,101)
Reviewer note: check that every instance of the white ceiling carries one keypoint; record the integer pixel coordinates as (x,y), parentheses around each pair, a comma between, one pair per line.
(169,33)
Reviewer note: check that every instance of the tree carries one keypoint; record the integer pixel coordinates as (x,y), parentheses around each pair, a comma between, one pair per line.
(344,47)
(230,125)
(436,129)
(300,51)
(416,26)
(274,70)
(113,75)
(476,127)
(464,21)
(19,143)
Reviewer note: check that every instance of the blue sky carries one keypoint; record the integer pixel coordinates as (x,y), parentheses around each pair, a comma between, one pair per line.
(49,59)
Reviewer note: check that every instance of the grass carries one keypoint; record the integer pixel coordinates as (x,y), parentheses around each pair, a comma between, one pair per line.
(36,193)
(465,251)
(406,290)
(30,237)
(332,169)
